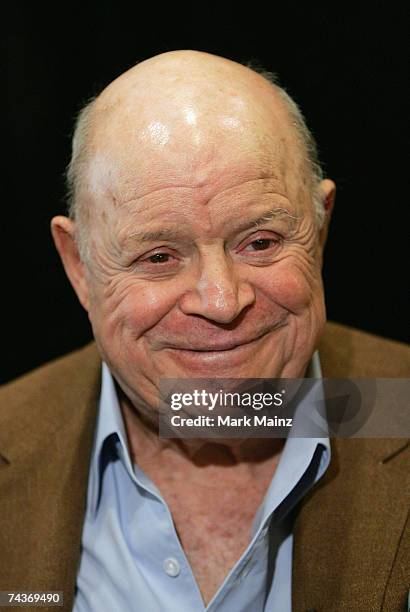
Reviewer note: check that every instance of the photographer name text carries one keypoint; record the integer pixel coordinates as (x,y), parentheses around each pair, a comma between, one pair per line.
(228,421)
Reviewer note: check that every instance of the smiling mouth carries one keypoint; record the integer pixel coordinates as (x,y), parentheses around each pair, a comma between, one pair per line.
(227,347)
(220,348)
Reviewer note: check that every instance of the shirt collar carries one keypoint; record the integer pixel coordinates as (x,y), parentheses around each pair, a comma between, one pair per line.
(110,425)
(299,451)
(314,369)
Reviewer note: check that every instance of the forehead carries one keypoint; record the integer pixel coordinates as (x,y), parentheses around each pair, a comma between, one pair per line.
(117,175)
(141,146)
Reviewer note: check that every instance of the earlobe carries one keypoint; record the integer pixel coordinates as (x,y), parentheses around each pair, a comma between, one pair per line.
(63,231)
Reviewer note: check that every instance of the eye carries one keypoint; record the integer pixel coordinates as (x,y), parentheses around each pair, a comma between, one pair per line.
(265,242)
(261,244)
(158,258)
(157,262)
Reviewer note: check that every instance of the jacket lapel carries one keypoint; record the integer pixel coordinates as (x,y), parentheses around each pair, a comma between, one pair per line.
(44,474)
(348,529)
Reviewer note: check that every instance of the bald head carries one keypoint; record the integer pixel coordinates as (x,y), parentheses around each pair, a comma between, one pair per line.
(184,111)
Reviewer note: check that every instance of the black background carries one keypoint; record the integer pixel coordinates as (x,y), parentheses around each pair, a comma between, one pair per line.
(344,64)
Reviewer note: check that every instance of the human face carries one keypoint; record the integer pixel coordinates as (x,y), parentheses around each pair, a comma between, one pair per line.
(210,270)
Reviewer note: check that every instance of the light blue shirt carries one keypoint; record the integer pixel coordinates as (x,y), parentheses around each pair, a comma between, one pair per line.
(132,560)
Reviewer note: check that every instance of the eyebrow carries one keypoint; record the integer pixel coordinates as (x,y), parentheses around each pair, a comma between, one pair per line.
(173,234)
(271,214)
(162,234)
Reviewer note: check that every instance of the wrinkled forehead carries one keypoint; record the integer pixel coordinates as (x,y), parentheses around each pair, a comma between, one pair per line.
(189,136)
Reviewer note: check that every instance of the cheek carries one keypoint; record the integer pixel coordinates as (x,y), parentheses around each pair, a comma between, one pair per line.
(131,308)
(290,286)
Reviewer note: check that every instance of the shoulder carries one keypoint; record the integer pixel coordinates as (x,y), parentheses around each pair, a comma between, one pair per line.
(75,367)
(345,351)
(60,394)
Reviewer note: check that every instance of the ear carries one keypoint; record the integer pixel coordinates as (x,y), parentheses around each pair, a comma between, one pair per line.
(63,231)
(327,195)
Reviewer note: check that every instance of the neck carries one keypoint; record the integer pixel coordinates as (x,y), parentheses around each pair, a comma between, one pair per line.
(146,447)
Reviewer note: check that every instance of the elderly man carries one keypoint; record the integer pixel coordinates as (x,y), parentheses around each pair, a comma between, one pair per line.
(195,243)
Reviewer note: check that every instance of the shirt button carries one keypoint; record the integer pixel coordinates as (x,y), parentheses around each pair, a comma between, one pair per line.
(171,567)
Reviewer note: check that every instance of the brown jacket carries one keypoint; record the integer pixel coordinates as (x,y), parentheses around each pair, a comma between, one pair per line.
(351,536)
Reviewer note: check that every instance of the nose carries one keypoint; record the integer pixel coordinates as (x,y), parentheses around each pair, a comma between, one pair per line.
(218,293)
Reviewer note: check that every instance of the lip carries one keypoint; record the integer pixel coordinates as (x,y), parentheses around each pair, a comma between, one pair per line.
(194,359)
(226,354)
(228,346)
(218,348)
